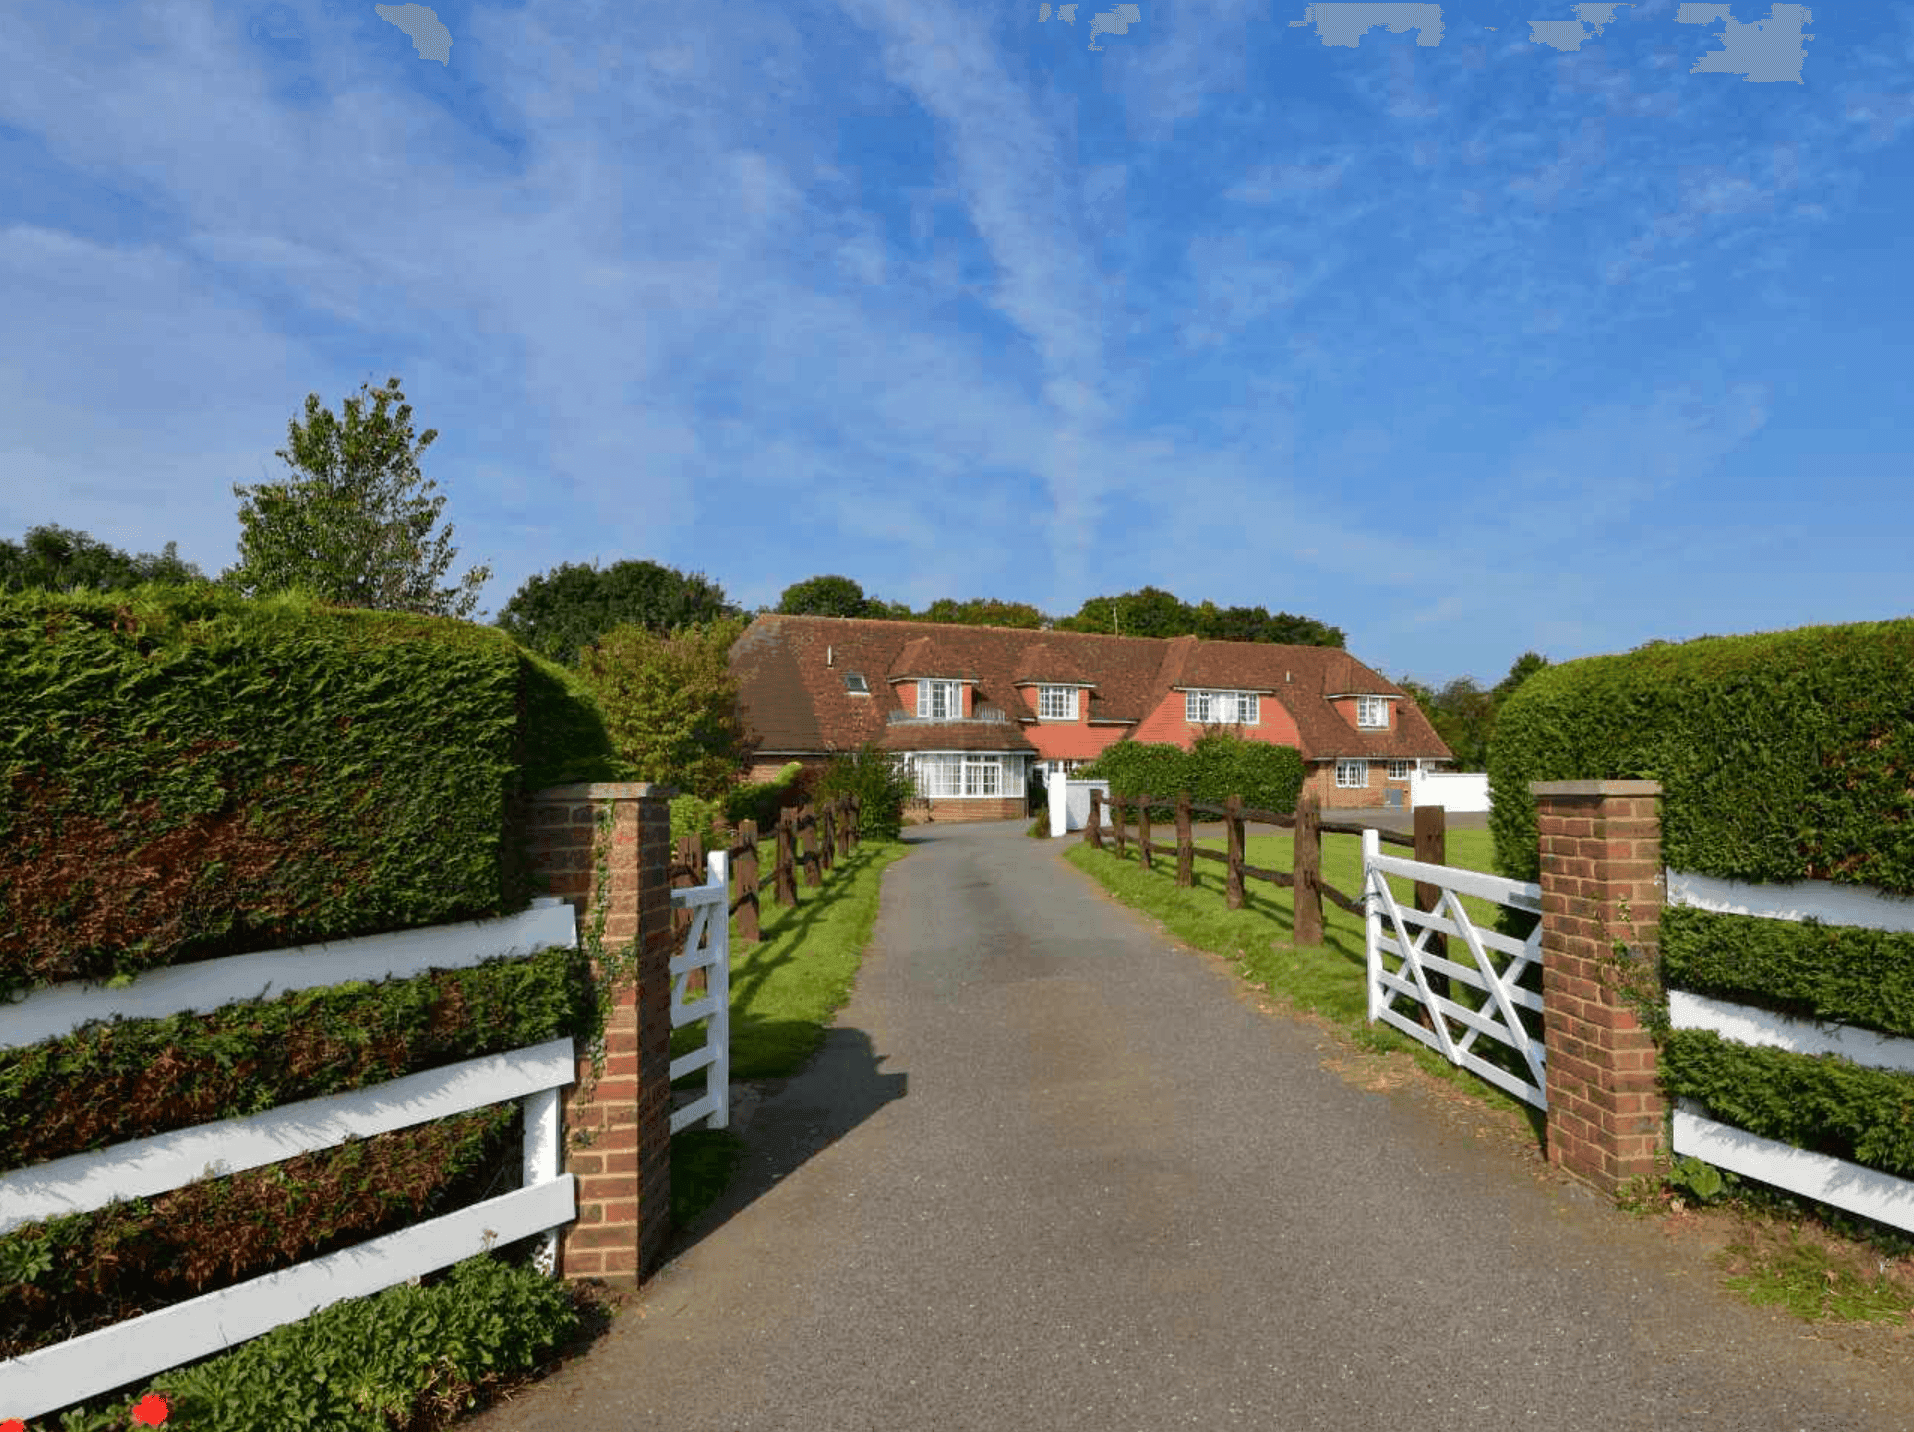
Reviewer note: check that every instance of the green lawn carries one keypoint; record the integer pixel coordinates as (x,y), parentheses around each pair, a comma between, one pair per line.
(1327,979)
(784,991)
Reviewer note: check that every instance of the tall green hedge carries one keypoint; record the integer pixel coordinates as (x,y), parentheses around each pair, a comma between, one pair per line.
(1220,765)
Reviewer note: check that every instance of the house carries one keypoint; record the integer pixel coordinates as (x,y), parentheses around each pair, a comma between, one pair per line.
(973,711)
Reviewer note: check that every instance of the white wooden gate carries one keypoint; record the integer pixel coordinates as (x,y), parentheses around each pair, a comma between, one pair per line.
(1457,1026)
(707,945)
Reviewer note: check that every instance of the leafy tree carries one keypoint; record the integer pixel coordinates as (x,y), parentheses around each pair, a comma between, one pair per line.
(345,527)
(824,597)
(558,615)
(1525,666)
(1153,612)
(671,703)
(57,559)
(984,611)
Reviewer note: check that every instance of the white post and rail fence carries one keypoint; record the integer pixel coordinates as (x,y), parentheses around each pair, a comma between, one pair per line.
(603,1210)
(1582,1052)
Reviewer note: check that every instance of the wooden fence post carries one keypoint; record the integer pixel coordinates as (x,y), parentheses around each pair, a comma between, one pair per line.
(1306,866)
(1432,849)
(690,859)
(1093,832)
(1143,833)
(1116,823)
(829,818)
(783,874)
(1185,846)
(1233,891)
(808,833)
(747,867)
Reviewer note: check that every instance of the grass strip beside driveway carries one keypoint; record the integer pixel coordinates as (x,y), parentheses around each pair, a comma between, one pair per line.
(1330,979)
(784,991)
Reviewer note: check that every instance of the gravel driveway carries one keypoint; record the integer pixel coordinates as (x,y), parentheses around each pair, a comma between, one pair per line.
(1053,1171)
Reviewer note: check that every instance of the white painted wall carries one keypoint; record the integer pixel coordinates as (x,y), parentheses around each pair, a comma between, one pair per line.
(1457,791)
(1070,804)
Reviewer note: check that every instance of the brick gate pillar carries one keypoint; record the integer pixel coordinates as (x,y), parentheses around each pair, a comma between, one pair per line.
(1602,883)
(624,1175)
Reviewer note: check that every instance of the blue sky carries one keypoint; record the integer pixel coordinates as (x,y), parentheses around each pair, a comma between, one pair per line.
(1554,328)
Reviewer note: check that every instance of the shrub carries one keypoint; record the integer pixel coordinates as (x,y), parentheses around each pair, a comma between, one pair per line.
(761,801)
(1223,765)
(880,784)
(692,816)
(1138,768)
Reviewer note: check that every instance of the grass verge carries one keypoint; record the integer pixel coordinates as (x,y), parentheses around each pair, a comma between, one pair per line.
(784,991)
(1327,980)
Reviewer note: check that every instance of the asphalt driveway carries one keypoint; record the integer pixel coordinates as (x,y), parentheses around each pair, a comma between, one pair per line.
(1053,1171)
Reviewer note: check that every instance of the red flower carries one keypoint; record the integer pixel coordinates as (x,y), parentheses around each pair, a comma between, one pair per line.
(13,1424)
(150,1412)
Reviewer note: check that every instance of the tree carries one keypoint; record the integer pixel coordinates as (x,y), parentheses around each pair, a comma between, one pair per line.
(346,528)
(57,559)
(984,611)
(1526,665)
(824,597)
(560,614)
(671,703)
(1156,613)
(1149,611)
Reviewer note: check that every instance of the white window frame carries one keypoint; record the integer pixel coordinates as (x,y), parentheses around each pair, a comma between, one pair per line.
(967,775)
(1372,711)
(1352,774)
(1401,770)
(1222,708)
(953,694)
(1057,703)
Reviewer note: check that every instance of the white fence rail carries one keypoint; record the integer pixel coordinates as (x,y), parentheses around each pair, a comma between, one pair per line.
(1865,1191)
(1456,1026)
(707,946)
(69,1372)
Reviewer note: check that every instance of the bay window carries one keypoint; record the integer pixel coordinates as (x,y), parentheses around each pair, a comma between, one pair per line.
(961,775)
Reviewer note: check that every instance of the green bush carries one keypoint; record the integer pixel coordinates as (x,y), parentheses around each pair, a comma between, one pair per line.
(761,801)
(1222,765)
(370,1363)
(1140,768)
(880,784)
(692,816)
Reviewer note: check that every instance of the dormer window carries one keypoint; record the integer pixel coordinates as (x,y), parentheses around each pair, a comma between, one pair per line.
(854,683)
(1057,703)
(1372,711)
(1224,708)
(940,700)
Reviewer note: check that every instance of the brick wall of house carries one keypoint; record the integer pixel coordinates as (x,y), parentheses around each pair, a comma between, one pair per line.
(1167,725)
(1002,808)
(1321,777)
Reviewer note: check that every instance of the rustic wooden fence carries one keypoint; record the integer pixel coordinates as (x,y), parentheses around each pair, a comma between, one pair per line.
(807,838)
(1430,844)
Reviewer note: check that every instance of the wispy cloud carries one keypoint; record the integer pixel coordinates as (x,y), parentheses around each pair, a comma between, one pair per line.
(1470,346)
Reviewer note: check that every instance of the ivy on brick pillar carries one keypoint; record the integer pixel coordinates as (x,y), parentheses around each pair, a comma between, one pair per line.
(1602,887)
(624,1172)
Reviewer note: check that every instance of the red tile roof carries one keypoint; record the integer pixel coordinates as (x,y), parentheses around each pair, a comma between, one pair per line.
(791,670)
